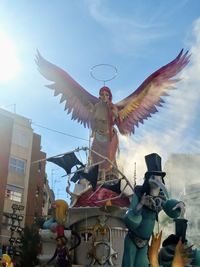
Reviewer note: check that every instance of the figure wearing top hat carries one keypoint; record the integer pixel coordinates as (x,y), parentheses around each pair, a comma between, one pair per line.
(148,200)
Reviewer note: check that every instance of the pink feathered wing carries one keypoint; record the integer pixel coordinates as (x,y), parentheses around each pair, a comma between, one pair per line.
(141,104)
(132,110)
(78,100)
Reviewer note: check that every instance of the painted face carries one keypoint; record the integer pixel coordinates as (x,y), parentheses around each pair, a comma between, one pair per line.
(155,178)
(104,96)
(61,241)
(154,182)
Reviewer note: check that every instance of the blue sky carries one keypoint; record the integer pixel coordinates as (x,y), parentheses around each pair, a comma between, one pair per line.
(137,37)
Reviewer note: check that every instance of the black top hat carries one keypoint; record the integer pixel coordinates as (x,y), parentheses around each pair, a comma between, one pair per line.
(153,162)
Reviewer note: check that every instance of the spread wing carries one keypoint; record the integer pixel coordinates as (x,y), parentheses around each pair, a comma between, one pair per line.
(79,102)
(141,104)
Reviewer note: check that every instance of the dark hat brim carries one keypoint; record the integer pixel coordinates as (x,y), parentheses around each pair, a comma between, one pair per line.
(148,174)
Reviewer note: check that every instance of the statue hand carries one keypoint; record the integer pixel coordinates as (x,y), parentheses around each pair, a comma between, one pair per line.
(180,205)
(147,200)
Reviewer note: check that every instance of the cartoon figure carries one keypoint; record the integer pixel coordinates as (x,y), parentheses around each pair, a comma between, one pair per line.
(59,216)
(148,200)
(57,224)
(6,261)
(100,114)
(61,253)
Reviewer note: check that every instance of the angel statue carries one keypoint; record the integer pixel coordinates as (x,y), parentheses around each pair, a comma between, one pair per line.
(100,114)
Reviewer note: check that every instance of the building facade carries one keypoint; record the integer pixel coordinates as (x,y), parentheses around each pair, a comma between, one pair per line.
(21,180)
(48,198)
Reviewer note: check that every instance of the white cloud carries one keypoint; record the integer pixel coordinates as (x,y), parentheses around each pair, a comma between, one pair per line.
(127,34)
(175,129)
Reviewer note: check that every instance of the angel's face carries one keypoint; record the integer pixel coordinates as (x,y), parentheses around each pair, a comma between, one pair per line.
(104,96)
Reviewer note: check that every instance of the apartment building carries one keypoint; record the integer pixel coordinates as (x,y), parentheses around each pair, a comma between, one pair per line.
(21,180)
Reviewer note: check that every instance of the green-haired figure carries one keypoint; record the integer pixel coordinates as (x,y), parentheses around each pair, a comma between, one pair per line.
(148,200)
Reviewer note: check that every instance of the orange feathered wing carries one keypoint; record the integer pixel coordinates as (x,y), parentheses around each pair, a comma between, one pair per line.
(78,100)
(141,104)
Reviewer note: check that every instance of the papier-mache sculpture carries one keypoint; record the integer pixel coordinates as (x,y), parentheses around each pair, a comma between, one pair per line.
(101,114)
(148,200)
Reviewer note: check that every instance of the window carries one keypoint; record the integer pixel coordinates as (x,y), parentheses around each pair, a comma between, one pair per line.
(15,196)
(17,165)
(20,137)
(14,193)
(6,219)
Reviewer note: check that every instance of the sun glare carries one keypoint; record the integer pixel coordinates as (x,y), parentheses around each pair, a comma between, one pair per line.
(9,64)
